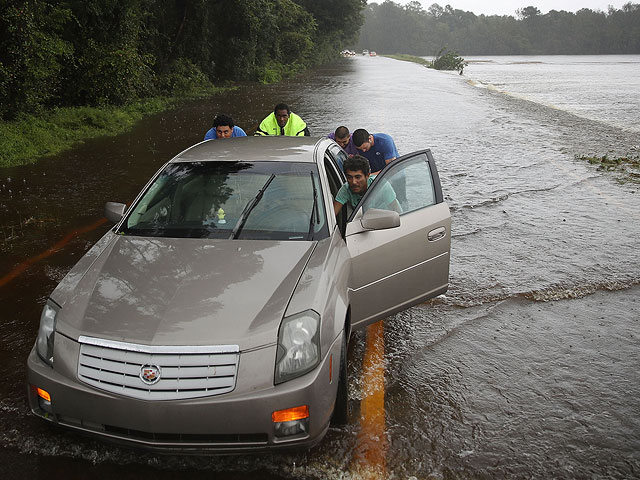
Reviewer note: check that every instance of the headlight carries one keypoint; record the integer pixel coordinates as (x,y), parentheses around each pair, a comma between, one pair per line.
(298,346)
(46,333)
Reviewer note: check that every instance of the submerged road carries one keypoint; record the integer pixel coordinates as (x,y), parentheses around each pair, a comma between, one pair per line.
(526,368)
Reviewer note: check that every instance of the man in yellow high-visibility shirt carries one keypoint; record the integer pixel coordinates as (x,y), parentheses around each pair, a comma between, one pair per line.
(283,122)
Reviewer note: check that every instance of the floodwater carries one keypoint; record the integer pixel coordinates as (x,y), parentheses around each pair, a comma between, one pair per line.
(599,87)
(527,368)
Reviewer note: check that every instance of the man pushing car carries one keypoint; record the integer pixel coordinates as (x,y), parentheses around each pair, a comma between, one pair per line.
(358,173)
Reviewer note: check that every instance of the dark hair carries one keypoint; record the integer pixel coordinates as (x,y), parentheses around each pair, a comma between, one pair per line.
(281,106)
(223,121)
(356,163)
(359,137)
(341,132)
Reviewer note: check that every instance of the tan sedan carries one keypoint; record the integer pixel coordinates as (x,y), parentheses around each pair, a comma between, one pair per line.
(215,315)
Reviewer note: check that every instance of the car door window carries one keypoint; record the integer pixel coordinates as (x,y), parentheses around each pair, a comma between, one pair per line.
(335,182)
(405,186)
(383,197)
(339,155)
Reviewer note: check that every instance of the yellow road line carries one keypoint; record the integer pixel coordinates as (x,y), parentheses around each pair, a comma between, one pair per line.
(372,442)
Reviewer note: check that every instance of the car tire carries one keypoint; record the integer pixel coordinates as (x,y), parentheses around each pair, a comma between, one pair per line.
(341,407)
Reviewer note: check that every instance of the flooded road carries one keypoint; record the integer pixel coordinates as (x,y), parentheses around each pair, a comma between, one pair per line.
(527,368)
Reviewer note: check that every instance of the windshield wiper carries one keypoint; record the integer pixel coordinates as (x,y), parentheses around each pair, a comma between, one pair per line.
(314,209)
(235,233)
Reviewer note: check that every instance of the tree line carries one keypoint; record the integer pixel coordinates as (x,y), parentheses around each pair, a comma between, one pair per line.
(393,28)
(114,52)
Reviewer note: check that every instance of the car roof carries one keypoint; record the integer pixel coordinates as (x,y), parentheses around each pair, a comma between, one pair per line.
(253,149)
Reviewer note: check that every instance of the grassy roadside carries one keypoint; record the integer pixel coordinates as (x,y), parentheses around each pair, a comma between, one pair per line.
(32,137)
(444,60)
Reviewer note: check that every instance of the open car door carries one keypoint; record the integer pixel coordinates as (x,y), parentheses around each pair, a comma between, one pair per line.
(397,264)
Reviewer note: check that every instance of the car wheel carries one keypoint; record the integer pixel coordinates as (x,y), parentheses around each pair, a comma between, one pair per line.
(341,407)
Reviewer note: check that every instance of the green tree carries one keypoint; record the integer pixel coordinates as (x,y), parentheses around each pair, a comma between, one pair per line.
(109,66)
(102,52)
(32,55)
(528,13)
(337,25)
(392,28)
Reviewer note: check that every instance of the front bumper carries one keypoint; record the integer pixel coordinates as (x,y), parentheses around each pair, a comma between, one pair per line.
(239,421)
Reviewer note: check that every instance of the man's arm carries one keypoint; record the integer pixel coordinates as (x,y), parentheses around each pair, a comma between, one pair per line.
(386,199)
(341,198)
(395,206)
(390,150)
(389,153)
(387,162)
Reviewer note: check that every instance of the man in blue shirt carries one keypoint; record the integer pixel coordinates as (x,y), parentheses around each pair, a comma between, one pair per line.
(224,127)
(379,148)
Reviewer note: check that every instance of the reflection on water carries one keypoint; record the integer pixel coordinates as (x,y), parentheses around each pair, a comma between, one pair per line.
(527,367)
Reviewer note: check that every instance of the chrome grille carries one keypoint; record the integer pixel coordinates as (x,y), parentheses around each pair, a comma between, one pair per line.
(185,372)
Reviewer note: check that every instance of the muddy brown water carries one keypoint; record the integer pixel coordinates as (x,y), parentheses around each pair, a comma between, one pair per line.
(526,368)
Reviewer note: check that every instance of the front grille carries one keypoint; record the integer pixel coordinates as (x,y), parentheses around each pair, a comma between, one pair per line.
(185,372)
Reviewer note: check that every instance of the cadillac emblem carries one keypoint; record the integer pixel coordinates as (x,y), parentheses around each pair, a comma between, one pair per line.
(150,374)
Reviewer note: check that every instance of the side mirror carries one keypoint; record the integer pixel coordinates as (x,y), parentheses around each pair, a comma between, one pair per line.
(375,219)
(114,211)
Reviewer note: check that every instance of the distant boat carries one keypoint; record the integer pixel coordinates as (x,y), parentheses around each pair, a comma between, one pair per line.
(373,54)
(365,52)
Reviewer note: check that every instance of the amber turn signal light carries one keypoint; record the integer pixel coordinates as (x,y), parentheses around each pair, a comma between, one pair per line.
(290,414)
(43,394)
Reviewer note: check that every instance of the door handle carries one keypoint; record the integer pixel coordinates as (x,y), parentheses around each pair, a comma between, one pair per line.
(436,234)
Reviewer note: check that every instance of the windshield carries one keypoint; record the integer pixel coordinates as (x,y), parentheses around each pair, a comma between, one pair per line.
(260,200)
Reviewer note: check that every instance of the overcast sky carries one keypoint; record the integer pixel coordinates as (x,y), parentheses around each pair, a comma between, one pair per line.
(508,7)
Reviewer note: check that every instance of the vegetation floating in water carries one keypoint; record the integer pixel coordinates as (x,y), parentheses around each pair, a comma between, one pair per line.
(448,61)
(629,165)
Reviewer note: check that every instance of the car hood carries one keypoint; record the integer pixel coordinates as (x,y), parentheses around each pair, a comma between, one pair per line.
(167,291)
